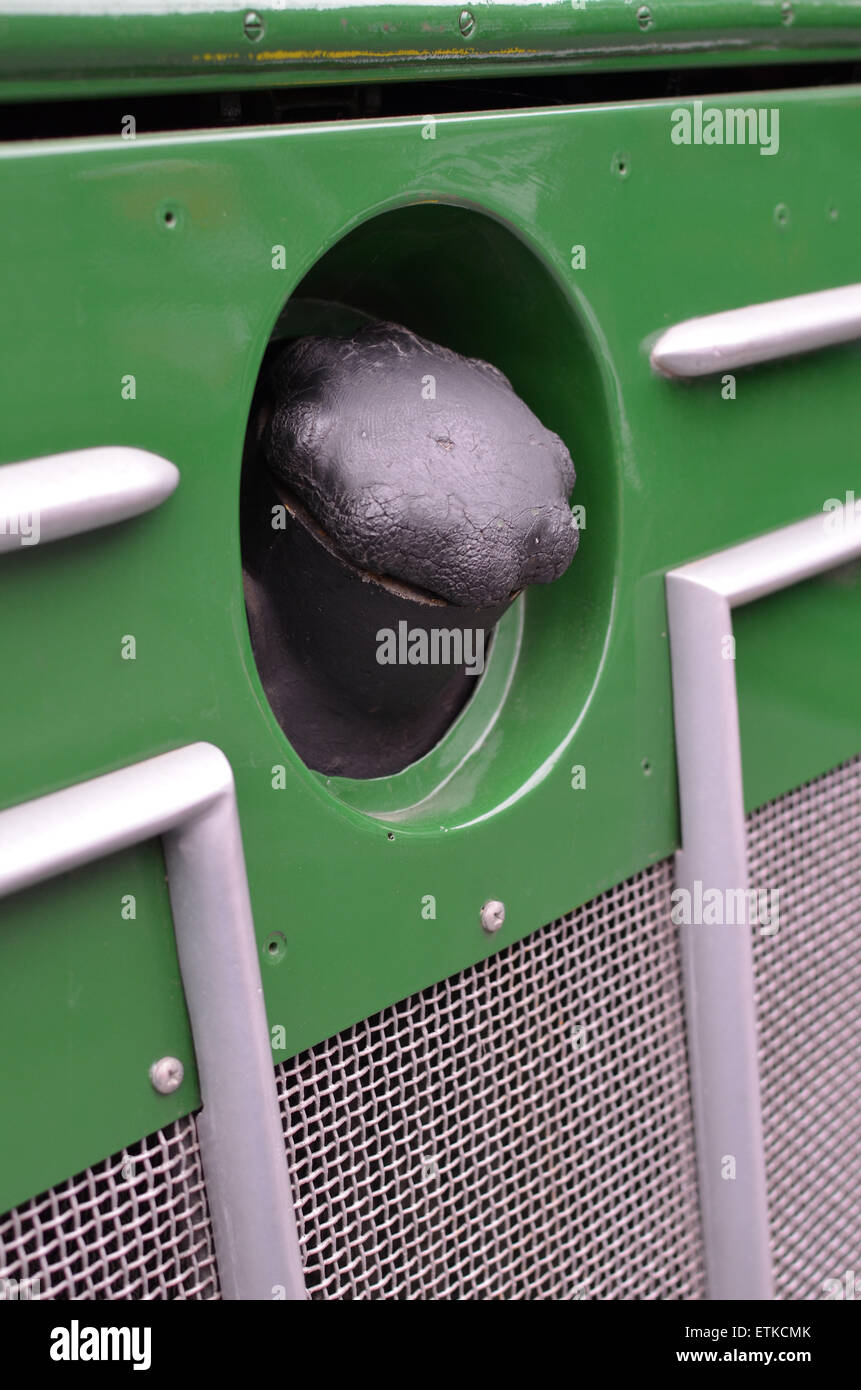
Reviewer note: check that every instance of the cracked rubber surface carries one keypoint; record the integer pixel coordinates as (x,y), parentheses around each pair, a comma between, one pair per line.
(464,494)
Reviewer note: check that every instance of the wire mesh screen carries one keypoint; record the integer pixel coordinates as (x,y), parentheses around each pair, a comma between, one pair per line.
(807,845)
(522,1130)
(133,1227)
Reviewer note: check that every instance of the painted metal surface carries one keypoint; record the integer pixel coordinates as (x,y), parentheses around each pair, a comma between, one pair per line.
(65,47)
(718,959)
(188,798)
(49,498)
(797,661)
(154,259)
(759,333)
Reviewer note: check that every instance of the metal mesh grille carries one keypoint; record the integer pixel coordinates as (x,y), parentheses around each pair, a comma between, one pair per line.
(133,1227)
(808,984)
(522,1130)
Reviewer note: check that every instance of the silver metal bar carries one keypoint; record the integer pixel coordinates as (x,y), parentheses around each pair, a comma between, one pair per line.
(718,960)
(759,333)
(188,797)
(61,495)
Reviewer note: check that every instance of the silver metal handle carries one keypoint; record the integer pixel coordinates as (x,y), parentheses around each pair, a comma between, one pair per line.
(759,333)
(65,494)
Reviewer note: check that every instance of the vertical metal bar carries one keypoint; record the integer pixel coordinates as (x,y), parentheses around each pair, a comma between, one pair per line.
(718,960)
(241,1138)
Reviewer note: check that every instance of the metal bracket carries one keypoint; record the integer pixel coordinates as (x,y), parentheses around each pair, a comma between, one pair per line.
(718,960)
(188,798)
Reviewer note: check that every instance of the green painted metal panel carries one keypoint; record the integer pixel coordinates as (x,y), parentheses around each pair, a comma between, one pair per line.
(799,665)
(89,998)
(99,46)
(466,236)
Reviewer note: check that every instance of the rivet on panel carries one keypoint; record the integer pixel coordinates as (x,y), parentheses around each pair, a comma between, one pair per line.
(166,1075)
(492,915)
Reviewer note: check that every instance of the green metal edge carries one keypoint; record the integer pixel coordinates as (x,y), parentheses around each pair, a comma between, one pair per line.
(102,48)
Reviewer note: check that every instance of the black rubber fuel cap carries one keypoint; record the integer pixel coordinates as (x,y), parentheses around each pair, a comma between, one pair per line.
(421,464)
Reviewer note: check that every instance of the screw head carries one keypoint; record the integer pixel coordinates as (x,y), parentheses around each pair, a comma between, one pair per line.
(253,26)
(166,1075)
(644,17)
(492,915)
(466,23)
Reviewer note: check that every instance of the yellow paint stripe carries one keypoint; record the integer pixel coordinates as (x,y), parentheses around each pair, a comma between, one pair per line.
(346,55)
(287,55)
